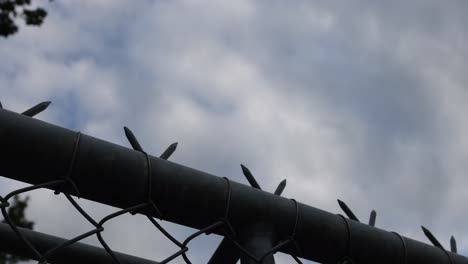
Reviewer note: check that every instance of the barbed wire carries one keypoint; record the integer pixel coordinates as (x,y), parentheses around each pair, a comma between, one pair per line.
(148,207)
(222,223)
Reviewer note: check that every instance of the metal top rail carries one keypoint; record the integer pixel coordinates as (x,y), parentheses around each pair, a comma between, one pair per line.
(255,223)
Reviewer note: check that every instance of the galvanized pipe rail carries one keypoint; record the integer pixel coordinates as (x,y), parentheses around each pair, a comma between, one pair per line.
(77,253)
(35,152)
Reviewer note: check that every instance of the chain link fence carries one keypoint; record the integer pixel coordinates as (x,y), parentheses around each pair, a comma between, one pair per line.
(254,247)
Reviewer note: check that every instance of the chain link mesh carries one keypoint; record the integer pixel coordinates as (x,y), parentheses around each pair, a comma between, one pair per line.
(223,223)
(221,226)
(58,186)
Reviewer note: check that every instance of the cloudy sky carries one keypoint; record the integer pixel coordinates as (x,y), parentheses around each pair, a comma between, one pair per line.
(363,101)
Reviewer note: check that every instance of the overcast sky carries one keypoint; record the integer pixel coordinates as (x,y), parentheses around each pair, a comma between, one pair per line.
(359,100)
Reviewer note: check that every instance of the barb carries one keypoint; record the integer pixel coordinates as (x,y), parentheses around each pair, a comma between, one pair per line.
(373,216)
(453,245)
(36,109)
(279,190)
(432,238)
(347,211)
(132,139)
(436,243)
(168,152)
(250,177)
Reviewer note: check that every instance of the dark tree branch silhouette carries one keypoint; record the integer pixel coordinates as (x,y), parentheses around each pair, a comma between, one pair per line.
(16,213)
(13,10)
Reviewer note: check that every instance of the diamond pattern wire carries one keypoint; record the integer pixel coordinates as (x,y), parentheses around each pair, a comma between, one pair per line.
(59,185)
(221,224)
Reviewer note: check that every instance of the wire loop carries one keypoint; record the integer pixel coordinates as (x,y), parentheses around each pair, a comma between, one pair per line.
(347,258)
